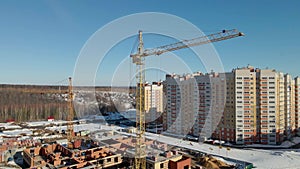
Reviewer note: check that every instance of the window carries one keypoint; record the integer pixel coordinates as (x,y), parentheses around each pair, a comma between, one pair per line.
(161,165)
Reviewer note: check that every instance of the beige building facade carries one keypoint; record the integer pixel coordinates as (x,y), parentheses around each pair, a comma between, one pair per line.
(245,106)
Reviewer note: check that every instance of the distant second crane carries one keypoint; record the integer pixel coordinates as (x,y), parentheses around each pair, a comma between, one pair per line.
(70,117)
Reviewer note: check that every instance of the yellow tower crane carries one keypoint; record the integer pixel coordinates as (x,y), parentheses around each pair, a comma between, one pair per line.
(139,60)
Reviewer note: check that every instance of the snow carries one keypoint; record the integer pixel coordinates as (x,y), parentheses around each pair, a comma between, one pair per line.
(130,114)
(296,140)
(114,116)
(89,126)
(260,158)
(285,144)
(45,123)
(39,123)
(9,126)
(93,117)
(17,132)
(154,130)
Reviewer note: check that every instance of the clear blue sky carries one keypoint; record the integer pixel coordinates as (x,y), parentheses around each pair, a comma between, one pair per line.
(40,40)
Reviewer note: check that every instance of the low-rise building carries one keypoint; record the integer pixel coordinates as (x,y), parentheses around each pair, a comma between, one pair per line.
(58,156)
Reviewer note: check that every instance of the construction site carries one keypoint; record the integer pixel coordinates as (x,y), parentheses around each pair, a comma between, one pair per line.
(94,142)
(112,149)
(115,150)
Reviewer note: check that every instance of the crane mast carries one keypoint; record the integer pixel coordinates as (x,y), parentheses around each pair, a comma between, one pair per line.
(140,149)
(139,60)
(70,128)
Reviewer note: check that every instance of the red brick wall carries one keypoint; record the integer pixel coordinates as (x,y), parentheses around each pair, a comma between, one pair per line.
(180,164)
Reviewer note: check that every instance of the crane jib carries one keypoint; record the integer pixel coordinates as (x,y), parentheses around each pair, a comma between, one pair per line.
(220,36)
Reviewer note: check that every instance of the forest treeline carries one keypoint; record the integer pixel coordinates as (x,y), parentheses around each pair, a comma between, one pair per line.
(32,103)
(29,103)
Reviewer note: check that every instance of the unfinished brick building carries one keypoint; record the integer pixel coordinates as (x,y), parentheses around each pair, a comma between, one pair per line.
(58,156)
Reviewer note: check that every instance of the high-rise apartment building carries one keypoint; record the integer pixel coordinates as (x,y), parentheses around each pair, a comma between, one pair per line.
(244,106)
(297,102)
(153,101)
(181,104)
(194,103)
(212,97)
(270,106)
(289,105)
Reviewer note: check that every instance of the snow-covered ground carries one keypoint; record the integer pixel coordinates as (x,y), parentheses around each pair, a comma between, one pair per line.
(9,126)
(285,144)
(17,132)
(89,126)
(263,159)
(44,123)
